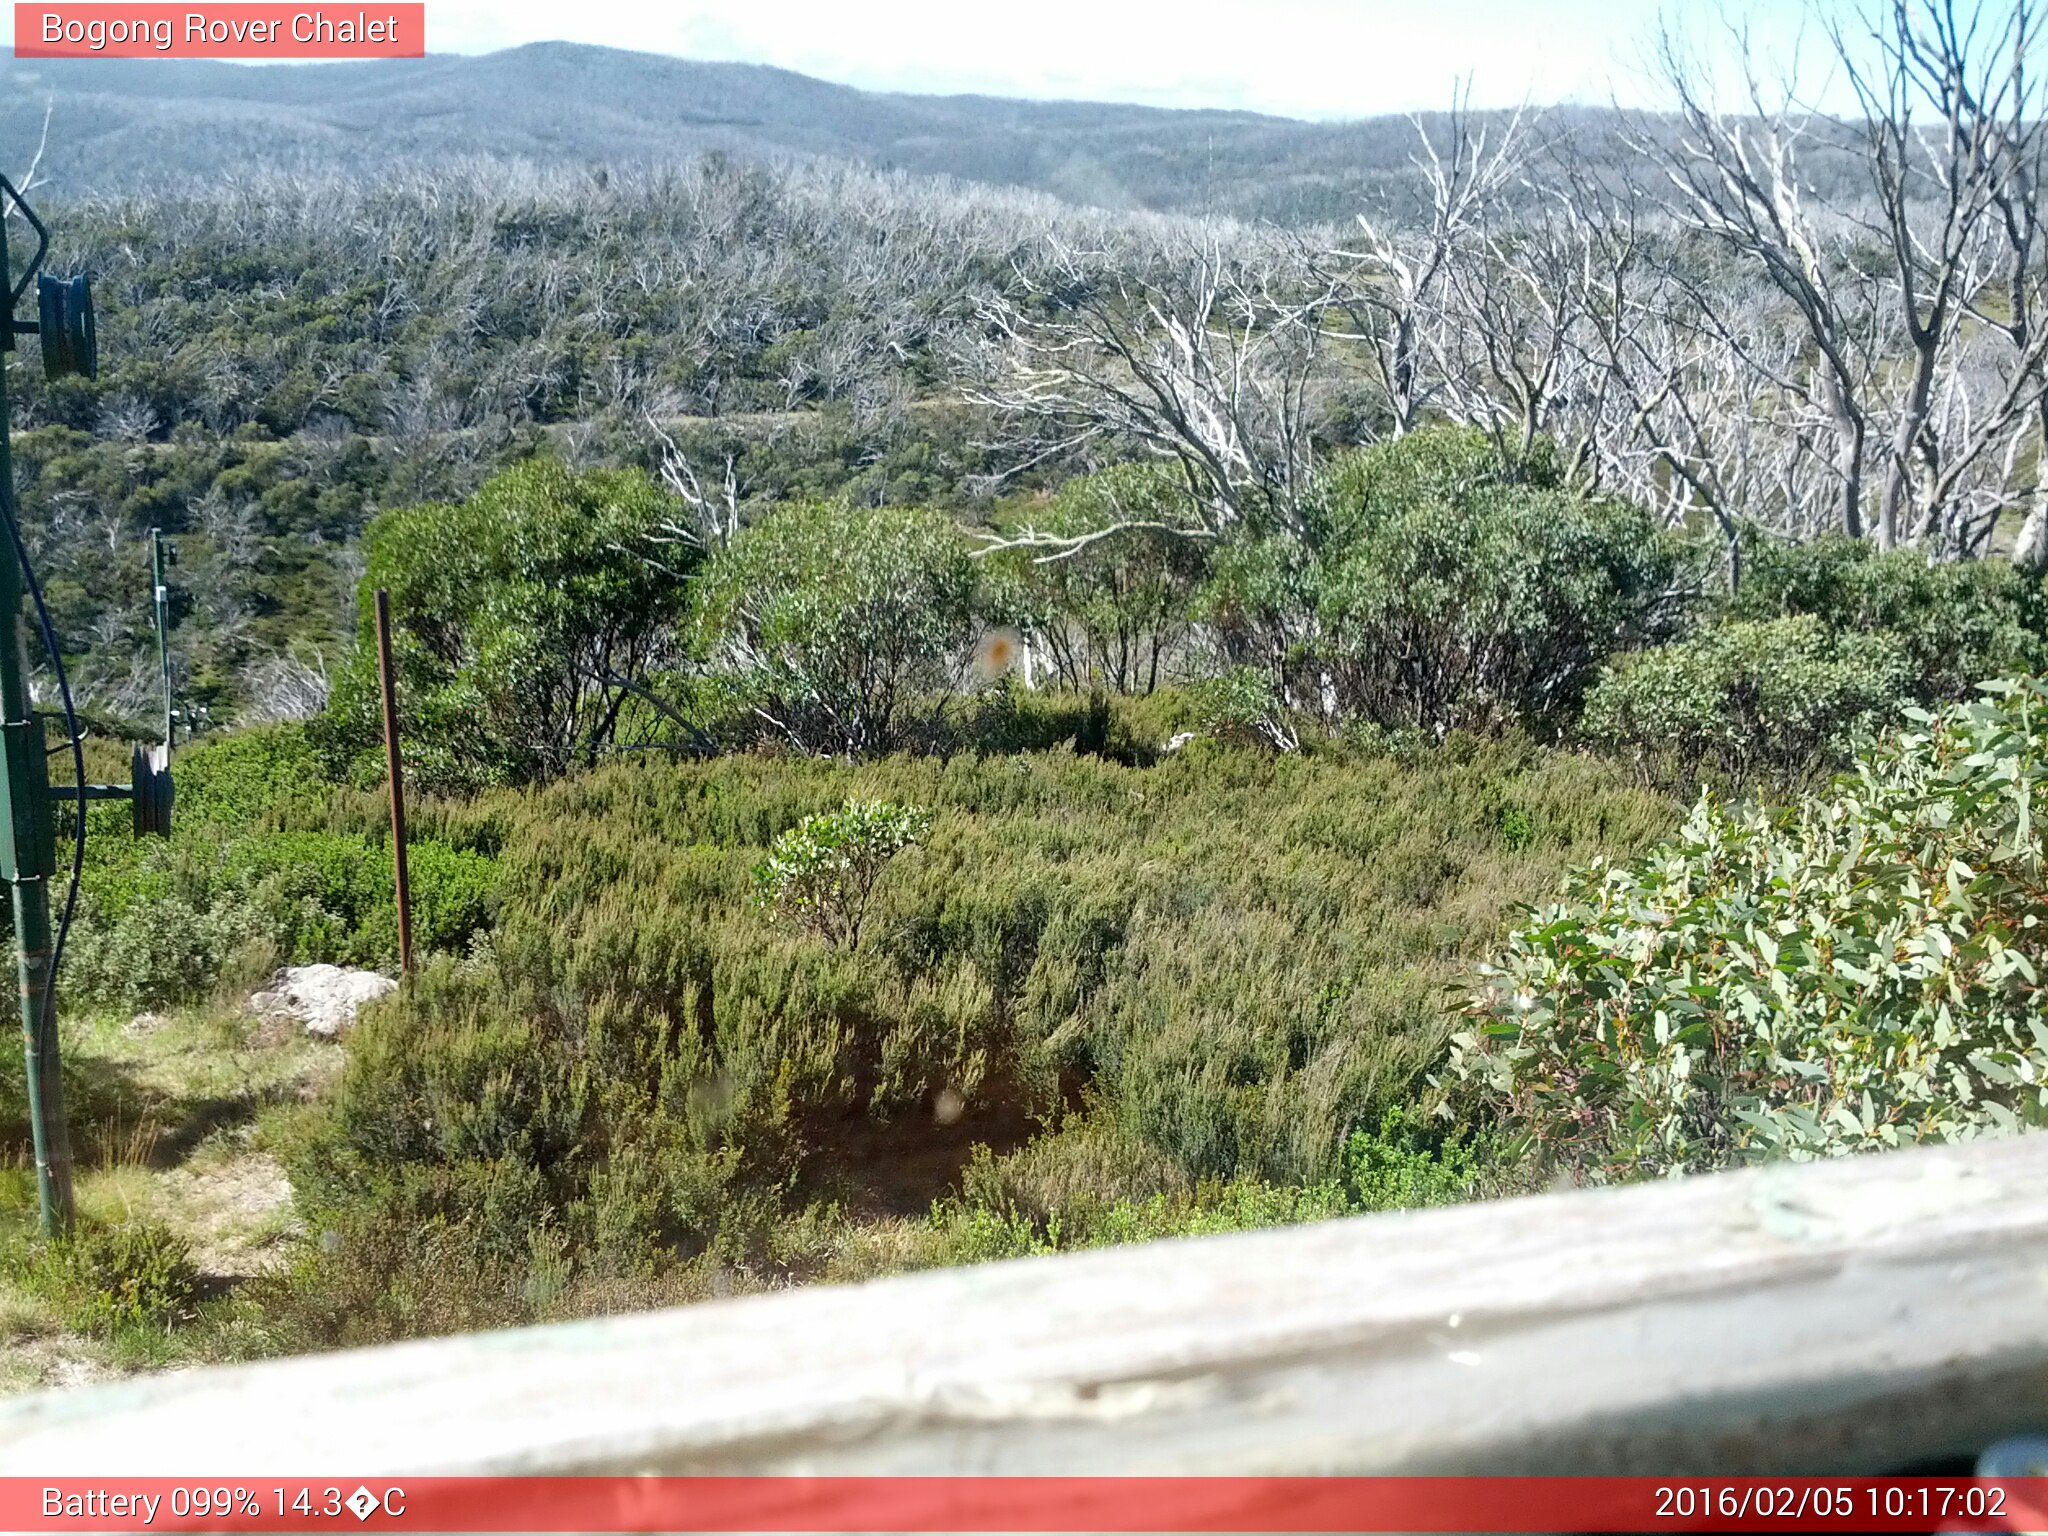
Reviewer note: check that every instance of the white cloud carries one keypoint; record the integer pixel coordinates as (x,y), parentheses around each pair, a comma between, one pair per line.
(1300,58)
(1307,58)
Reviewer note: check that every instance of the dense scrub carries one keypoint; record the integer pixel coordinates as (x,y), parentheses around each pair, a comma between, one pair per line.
(1439,587)
(777,929)
(1096,991)
(1861,969)
(1151,994)
(258,875)
(1813,657)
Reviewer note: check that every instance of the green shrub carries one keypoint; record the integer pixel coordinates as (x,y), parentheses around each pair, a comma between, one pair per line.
(314,892)
(454,896)
(106,1278)
(1777,694)
(1239,1205)
(1516,830)
(160,950)
(161,919)
(1952,622)
(325,896)
(1084,1189)
(241,779)
(836,621)
(1110,611)
(971,1233)
(1005,719)
(524,620)
(1404,1164)
(430,1251)
(1860,970)
(1243,705)
(821,873)
(1452,590)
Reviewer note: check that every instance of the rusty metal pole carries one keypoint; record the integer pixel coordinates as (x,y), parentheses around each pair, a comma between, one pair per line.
(401,885)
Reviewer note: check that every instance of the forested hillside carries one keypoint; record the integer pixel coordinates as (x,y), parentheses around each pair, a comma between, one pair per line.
(286,359)
(120,125)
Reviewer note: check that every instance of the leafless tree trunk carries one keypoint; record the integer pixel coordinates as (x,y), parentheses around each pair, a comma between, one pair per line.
(1894,290)
(1203,355)
(1396,290)
(713,516)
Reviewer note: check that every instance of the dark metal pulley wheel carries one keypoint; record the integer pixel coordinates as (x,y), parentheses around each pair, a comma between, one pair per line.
(70,343)
(150,796)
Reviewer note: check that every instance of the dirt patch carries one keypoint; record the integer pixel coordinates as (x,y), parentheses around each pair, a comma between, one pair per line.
(47,1361)
(235,1213)
(898,1168)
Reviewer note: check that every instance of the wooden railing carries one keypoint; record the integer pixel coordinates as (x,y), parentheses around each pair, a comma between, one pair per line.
(1857,1316)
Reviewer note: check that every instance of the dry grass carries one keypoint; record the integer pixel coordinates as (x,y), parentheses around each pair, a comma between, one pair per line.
(172,1124)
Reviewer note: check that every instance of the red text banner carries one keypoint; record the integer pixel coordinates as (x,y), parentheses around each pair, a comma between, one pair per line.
(1043,1504)
(227,31)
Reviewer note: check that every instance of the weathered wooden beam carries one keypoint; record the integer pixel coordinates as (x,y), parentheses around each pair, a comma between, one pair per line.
(1860,1315)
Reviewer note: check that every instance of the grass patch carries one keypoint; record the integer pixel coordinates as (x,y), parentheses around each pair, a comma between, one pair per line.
(164,1118)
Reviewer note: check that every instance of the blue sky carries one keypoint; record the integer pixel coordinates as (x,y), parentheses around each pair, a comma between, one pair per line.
(1300,58)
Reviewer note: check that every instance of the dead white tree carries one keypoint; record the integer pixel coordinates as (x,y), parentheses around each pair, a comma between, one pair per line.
(1736,178)
(710,516)
(2008,113)
(1521,304)
(1396,297)
(284,687)
(29,179)
(1936,100)
(1205,354)
(1895,286)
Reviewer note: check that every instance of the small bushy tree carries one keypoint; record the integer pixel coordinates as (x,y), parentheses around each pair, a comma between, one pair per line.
(1773,695)
(527,622)
(1456,589)
(821,874)
(836,620)
(1437,585)
(1861,970)
(1105,597)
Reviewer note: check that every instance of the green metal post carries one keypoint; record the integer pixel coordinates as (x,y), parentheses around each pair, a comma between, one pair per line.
(28,854)
(163,624)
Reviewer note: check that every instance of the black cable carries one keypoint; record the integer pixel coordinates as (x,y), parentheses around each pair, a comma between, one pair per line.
(48,1024)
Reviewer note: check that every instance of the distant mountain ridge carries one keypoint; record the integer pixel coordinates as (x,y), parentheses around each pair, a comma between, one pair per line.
(119,122)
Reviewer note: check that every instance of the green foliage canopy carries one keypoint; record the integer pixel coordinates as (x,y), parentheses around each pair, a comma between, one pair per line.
(1767,694)
(837,620)
(1456,590)
(1954,622)
(525,621)
(1863,969)
(821,873)
(1439,587)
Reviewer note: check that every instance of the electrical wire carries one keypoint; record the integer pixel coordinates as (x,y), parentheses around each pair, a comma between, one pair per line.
(48,1023)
